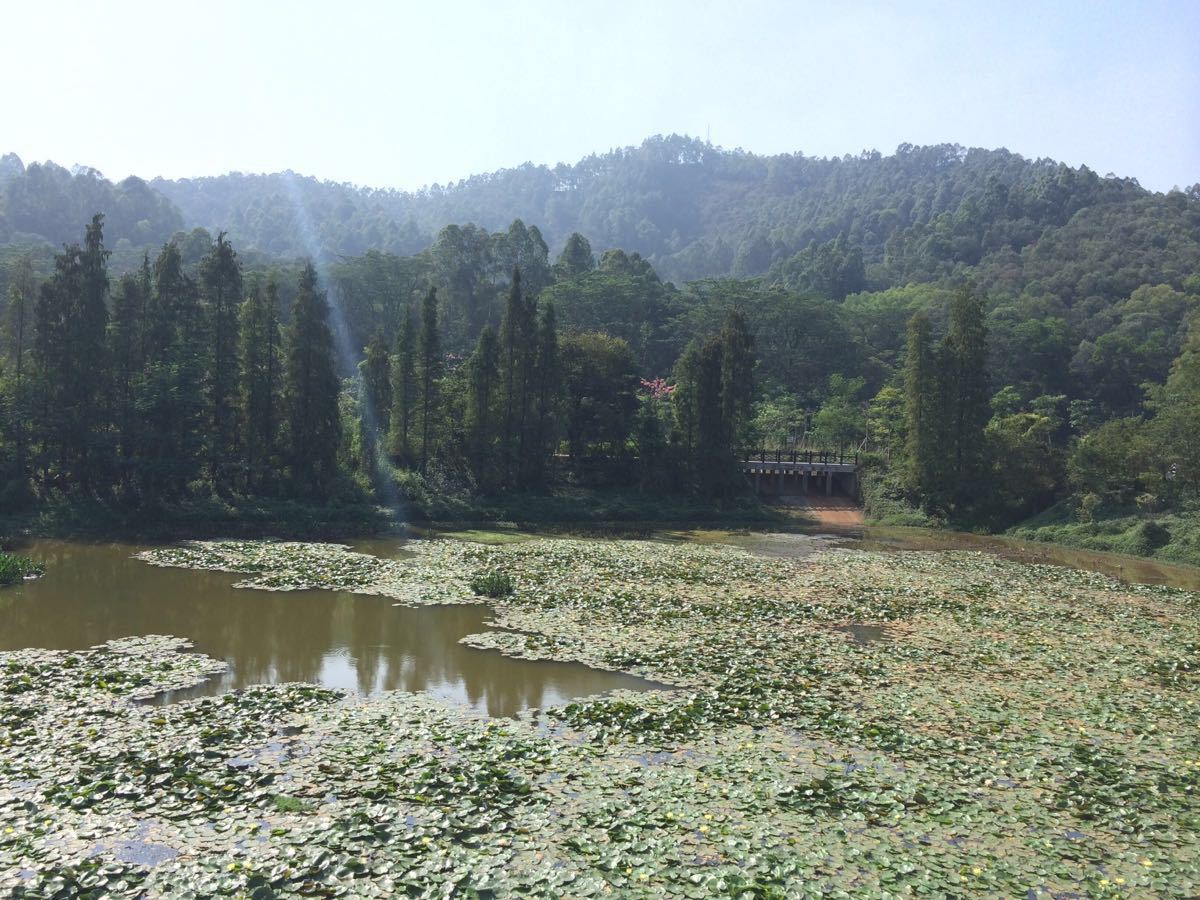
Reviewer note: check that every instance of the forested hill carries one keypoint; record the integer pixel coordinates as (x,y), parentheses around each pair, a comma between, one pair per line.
(830,226)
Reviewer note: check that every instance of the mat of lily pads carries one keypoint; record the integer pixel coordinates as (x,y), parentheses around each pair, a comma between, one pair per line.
(1018,730)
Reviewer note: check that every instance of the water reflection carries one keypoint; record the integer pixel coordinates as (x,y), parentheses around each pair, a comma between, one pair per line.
(95,592)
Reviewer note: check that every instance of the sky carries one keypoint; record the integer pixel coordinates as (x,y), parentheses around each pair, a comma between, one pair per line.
(405,94)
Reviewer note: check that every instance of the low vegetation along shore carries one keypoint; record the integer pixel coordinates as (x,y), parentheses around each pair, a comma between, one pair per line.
(1173,536)
(561,508)
(1007,729)
(14,568)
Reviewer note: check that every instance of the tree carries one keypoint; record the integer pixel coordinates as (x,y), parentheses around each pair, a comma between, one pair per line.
(19,327)
(429,372)
(221,281)
(71,319)
(778,421)
(259,382)
(311,390)
(404,388)
(713,404)
(922,413)
(650,438)
(372,410)
(1028,466)
(170,401)
(1176,423)
(885,420)
(576,257)
(839,422)
(126,347)
(634,307)
(524,248)
(965,392)
(1115,462)
(714,454)
(376,373)
(462,259)
(547,389)
(480,417)
(599,383)
(737,379)
(516,354)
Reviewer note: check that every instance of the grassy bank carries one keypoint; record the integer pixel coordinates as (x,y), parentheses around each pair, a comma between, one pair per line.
(1167,536)
(1172,537)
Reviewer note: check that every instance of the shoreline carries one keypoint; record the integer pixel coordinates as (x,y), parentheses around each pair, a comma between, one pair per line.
(561,515)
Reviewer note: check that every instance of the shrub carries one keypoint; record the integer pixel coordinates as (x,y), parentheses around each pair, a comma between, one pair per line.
(1147,537)
(17,568)
(492,584)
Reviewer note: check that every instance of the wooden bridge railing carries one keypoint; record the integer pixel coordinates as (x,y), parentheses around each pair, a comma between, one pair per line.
(807,457)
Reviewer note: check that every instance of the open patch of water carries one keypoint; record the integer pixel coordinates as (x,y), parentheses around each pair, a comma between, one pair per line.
(864,634)
(92,593)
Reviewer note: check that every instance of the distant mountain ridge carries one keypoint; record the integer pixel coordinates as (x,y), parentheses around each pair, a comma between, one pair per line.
(833,225)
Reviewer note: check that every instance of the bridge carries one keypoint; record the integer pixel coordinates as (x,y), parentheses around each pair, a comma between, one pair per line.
(793,472)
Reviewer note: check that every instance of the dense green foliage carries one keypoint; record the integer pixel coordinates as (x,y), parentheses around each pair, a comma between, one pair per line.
(191,387)
(827,225)
(1063,374)
(48,202)
(832,226)
(14,568)
(184,388)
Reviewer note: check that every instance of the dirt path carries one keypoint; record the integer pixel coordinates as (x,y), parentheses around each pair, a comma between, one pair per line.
(838,512)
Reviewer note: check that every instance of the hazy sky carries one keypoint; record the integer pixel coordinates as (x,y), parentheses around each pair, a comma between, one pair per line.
(403,94)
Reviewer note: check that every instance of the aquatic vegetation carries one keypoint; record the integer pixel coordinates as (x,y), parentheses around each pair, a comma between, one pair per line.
(435,576)
(492,584)
(15,568)
(1015,729)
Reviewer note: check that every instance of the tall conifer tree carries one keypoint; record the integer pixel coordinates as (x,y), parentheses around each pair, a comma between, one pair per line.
(221,279)
(516,339)
(125,348)
(480,419)
(180,364)
(71,320)
(376,373)
(737,379)
(404,386)
(922,411)
(259,382)
(311,391)
(19,328)
(547,390)
(429,373)
(965,393)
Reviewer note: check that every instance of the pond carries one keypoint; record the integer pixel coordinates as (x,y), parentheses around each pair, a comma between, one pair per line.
(867,721)
(368,644)
(891,539)
(92,593)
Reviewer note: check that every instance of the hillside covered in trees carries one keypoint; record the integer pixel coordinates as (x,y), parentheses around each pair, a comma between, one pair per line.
(663,304)
(693,210)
